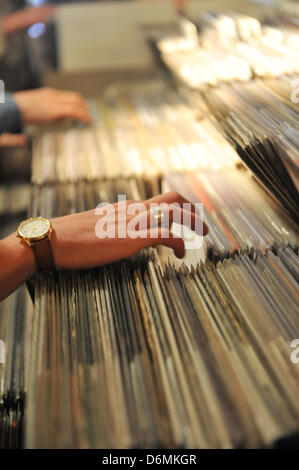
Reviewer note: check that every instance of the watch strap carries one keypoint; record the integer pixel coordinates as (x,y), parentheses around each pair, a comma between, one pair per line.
(43,255)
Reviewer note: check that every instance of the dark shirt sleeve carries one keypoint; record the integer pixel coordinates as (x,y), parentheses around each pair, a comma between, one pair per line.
(10,116)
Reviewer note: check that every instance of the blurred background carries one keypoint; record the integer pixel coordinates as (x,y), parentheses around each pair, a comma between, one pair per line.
(88,43)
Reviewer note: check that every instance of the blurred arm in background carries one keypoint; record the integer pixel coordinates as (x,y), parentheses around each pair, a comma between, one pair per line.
(43,105)
(24,18)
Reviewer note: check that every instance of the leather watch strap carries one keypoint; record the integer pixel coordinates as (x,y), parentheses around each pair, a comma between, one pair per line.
(43,255)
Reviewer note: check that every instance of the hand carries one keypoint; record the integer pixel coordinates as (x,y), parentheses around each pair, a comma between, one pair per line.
(46,105)
(12,140)
(24,18)
(75,243)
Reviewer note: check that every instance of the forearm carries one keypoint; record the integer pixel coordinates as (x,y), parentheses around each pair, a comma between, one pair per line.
(17,264)
(13,22)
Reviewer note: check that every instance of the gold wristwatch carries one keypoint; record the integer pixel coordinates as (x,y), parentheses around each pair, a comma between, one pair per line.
(36,232)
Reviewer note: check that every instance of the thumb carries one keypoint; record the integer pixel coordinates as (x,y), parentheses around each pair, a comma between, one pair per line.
(168,239)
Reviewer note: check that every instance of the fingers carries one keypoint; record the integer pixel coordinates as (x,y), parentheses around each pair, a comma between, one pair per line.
(73,105)
(73,111)
(173,200)
(172,214)
(13,140)
(66,104)
(164,238)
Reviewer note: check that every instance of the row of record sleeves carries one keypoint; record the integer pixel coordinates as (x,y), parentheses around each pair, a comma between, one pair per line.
(131,355)
(253,63)
(141,129)
(145,354)
(221,47)
(142,354)
(241,216)
(16,314)
(262,125)
(122,322)
(149,129)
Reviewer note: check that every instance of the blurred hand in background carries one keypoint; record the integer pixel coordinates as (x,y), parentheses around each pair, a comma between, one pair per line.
(40,106)
(46,105)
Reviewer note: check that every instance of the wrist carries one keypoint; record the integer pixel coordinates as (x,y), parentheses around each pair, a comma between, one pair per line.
(17,264)
(36,232)
(20,101)
(20,255)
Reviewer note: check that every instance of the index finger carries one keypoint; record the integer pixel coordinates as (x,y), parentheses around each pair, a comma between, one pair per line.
(170,198)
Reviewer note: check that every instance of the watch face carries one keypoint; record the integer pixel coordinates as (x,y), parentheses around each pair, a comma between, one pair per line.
(34,228)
